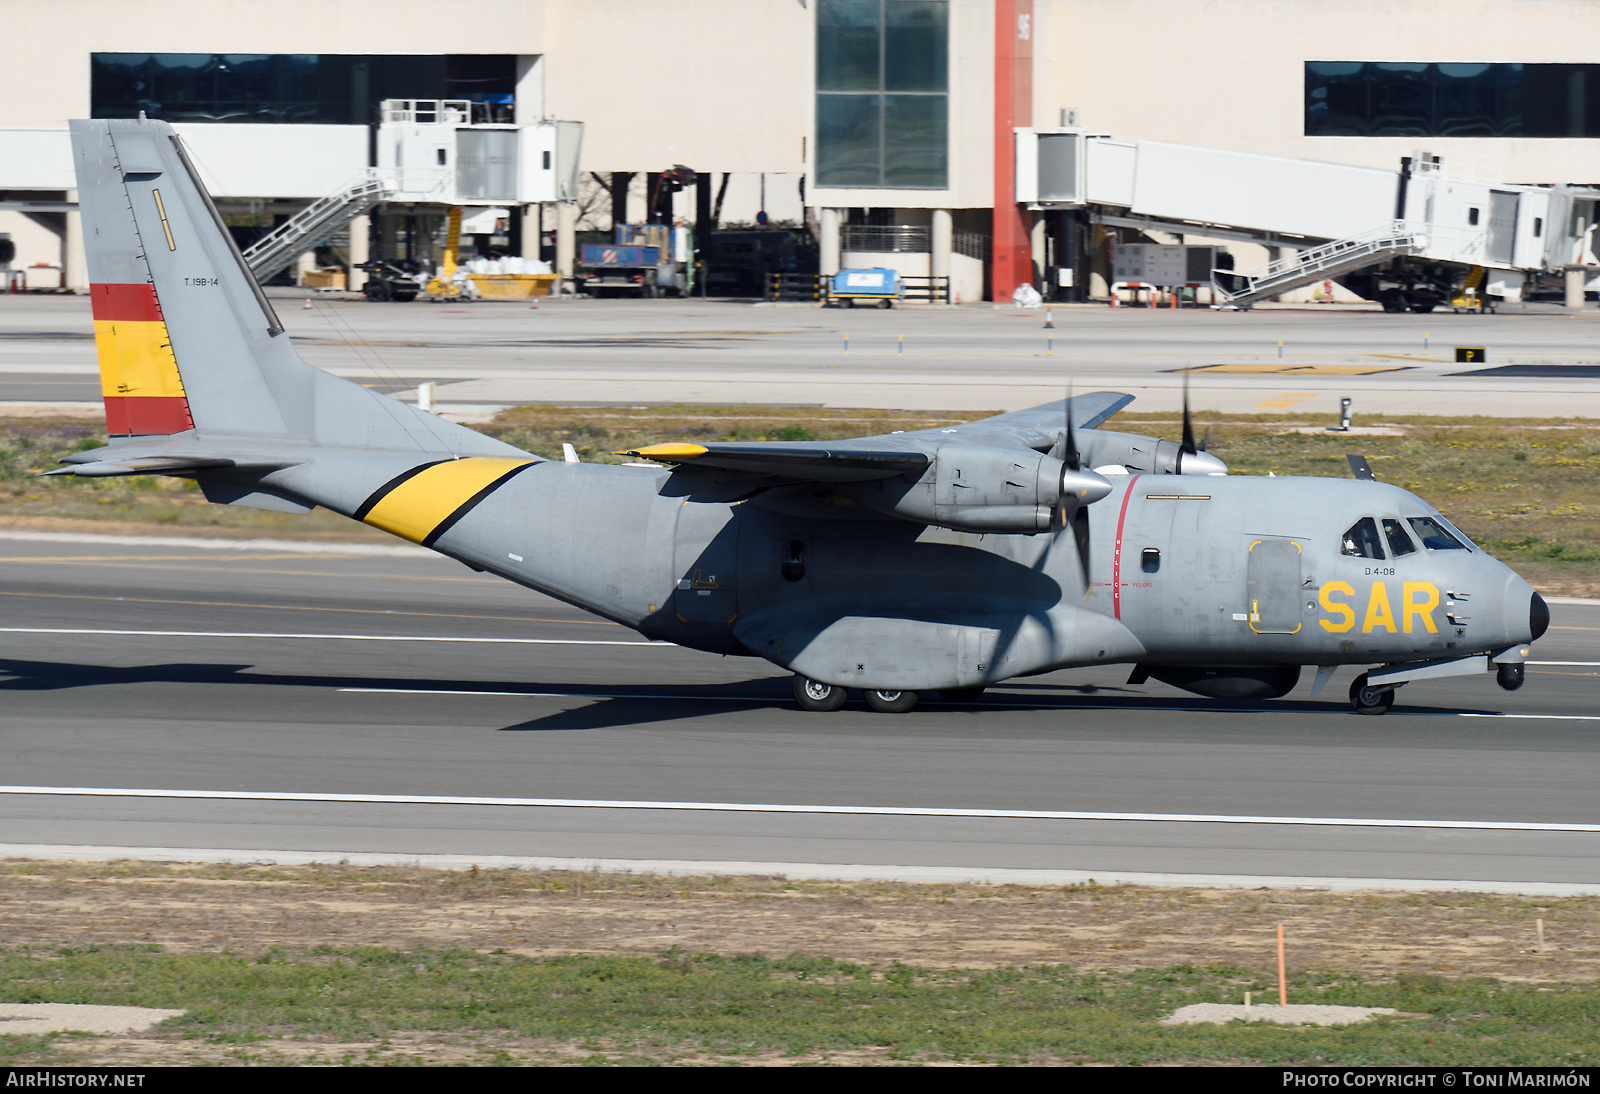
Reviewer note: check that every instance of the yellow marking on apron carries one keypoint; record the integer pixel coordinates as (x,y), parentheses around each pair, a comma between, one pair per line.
(417,506)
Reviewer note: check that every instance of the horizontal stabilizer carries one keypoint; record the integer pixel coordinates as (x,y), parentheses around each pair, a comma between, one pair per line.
(154,465)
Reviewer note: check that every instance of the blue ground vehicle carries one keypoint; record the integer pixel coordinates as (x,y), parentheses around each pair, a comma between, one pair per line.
(879,284)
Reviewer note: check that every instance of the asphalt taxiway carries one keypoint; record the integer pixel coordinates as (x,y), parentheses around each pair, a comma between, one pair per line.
(1542,360)
(293,699)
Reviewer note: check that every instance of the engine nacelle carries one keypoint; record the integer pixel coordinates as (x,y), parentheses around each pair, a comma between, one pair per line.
(978,488)
(1146,455)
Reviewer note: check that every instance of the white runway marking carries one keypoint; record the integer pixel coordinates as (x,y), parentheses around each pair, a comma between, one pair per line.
(343,637)
(831,810)
(820,871)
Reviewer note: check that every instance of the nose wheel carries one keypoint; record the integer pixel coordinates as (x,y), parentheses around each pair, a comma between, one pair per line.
(1509,676)
(1368,699)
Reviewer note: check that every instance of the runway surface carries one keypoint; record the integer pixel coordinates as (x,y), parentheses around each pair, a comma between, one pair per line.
(486,355)
(370,703)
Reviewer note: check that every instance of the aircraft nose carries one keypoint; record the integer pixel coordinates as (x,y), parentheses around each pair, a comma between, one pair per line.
(1538,616)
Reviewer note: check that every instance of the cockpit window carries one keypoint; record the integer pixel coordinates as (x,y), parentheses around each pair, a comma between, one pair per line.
(1399,543)
(1435,536)
(1362,540)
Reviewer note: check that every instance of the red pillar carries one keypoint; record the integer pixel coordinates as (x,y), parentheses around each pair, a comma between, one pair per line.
(1013,106)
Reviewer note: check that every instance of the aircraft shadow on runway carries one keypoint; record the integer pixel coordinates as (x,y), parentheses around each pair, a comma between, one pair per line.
(616,706)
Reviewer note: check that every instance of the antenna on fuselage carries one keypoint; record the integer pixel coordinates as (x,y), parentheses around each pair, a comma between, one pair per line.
(1360,468)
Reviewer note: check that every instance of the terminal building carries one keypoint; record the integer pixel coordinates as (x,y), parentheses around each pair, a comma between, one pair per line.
(918,134)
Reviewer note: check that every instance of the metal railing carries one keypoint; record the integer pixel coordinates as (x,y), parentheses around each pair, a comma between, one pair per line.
(1317,263)
(885,238)
(972,244)
(274,251)
(931,290)
(795,286)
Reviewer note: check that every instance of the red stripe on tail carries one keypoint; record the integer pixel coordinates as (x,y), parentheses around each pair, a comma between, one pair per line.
(125,303)
(146,415)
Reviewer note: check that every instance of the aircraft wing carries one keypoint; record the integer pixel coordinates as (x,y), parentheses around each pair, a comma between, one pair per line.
(816,461)
(864,458)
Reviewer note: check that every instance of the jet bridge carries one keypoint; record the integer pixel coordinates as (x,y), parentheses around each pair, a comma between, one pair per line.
(1408,238)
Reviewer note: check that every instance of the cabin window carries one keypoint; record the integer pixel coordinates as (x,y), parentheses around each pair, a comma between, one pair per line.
(1150,560)
(1434,535)
(1399,543)
(1538,227)
(793,566)
(1362,540)
(1472,216)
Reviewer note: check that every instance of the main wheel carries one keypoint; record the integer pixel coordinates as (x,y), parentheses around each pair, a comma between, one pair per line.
(961,695)
(1370,700)
(813,695)
(891,702)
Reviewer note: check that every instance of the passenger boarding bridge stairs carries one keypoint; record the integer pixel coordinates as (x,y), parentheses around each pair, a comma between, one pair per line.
(1241,290)
(273,252)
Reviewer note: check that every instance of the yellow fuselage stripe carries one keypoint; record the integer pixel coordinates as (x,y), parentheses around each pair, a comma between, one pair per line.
(417,506)
(136,359)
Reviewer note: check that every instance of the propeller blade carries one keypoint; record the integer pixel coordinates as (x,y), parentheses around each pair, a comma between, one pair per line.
(1188,445)
(1080,535)
(1070,455)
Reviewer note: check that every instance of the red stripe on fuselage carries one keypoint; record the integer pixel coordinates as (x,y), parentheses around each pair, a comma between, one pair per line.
(125,303)
(1116,553)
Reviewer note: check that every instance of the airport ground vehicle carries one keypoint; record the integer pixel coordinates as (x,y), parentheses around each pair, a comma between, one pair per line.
(941,560)
(389,280)
(642,261)
(879,286)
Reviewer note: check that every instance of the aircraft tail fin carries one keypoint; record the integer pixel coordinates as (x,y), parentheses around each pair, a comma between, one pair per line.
(188,341)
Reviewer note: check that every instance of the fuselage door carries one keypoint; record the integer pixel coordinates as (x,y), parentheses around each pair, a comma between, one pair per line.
(1273,586)
(705,557)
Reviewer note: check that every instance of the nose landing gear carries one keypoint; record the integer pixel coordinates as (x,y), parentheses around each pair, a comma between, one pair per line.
(1368,699)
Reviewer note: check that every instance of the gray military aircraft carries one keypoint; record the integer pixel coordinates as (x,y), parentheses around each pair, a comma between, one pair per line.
(941,559)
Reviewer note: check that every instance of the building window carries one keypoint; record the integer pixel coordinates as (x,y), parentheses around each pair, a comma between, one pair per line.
(1478,99)
(883,93)
(328,88)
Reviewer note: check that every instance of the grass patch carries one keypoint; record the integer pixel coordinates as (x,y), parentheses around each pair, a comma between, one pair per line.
(633,1009)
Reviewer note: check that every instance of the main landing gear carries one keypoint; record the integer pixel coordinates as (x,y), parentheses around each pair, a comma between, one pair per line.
(814,695)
